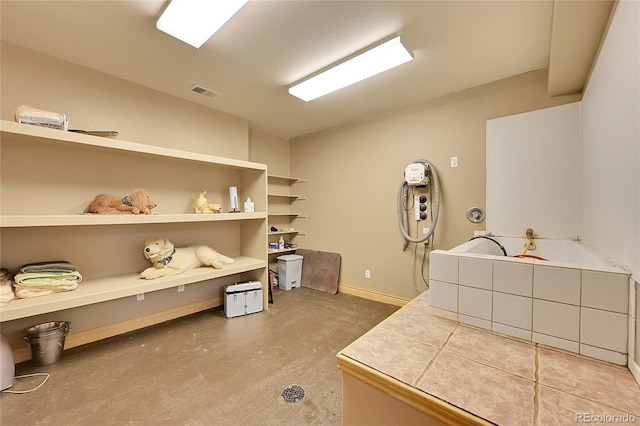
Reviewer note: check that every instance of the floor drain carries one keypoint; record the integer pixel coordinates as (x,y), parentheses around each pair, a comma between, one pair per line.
(293,393)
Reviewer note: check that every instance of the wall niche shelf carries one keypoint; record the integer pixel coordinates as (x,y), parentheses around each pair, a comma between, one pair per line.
(63,171)
(279,212)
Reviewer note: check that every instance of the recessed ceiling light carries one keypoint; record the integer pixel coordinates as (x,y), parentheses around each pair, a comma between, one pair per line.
(381,58)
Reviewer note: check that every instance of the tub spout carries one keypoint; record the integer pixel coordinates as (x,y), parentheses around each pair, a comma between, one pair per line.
(529,234)
(529,245)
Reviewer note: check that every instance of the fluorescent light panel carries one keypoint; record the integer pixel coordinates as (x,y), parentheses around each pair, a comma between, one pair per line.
(195,21)
(381,58)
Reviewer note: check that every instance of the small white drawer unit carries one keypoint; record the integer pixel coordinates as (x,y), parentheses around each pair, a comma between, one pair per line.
(242,298)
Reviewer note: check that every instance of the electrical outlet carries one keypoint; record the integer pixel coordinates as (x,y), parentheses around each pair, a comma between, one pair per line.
(367,274)
(140,297)
(180,288)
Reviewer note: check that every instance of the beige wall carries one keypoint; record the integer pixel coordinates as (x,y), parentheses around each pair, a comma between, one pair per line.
(270,150)
(96,101)
(353,173)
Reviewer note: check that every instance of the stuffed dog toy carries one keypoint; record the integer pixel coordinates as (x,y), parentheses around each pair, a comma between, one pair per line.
(138,202)
(203,205)
(168,260)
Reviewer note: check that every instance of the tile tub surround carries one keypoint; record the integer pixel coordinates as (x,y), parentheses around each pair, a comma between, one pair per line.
(575,307)
(497,378)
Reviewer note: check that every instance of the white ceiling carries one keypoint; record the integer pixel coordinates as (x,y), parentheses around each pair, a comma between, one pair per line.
(269,45)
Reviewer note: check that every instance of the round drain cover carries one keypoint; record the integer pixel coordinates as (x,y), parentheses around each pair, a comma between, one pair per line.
(293,393)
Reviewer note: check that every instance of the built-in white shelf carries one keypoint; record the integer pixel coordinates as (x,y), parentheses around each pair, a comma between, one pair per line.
(286,232)
(82,234)
(118,286)
(18,131)
(287,178)
(280,199)
(281,251)
(293,197)
(18,221)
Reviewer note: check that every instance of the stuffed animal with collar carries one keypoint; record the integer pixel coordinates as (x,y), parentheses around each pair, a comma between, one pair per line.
(168,260)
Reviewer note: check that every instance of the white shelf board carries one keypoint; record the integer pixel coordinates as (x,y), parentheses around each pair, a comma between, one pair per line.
(296,231)
(295,197)
(17,221)
(18,131)
(280,251)
(119,286)
(289,178)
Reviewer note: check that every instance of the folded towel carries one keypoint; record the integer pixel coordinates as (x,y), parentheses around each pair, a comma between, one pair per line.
(6,288)
(52,266)
(26,293)
(48,279)
(6,294)
(50,288)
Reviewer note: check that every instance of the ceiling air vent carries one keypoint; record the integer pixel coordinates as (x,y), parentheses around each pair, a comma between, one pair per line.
(203,91)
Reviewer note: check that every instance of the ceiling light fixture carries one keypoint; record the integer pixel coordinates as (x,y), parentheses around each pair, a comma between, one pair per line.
(381,58)
(195,21)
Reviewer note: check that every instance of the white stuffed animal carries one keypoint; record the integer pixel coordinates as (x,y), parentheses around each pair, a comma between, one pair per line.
(168,260)
(203,205)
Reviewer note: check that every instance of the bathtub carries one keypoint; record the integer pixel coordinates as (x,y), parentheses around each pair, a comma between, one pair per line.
(565,297)
(552,251)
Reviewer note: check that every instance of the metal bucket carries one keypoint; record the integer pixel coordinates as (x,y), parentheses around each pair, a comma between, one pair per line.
(47,341)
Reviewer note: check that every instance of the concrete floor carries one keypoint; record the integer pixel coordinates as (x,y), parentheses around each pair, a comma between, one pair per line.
(205,369)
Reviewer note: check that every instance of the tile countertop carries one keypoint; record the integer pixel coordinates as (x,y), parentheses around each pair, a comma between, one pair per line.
(496,378)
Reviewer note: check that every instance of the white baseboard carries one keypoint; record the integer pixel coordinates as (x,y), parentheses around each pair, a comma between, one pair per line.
(372,295)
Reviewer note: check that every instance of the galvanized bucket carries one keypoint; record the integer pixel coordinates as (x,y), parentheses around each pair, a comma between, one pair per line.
(47,341)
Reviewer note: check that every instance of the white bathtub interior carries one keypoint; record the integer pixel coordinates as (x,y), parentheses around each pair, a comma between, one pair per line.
(574,300)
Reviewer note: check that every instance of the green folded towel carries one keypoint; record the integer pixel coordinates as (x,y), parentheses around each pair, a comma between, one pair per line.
(51,266)
(47,279)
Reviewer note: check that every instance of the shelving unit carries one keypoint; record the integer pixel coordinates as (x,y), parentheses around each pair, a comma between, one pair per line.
(48,178)
(280,215)
(118,286)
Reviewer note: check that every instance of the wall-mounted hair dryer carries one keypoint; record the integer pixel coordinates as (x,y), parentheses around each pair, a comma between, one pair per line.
(418,174)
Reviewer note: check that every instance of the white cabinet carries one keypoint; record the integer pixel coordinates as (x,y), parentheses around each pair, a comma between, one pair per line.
(281,213)
(49,176)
